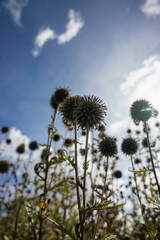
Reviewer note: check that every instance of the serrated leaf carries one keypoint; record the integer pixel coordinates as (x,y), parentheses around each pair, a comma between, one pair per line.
(141,170)
(62,229)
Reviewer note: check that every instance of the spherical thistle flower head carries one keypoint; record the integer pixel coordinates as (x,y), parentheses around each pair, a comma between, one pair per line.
(21,149)
(33,145)
(4,166)
(117,174)
(141,110)
(59,96)
(56,137)
(108,147)
(8,141)
(5,129)
(68,109)
(129,146)
(68,142)
(90,112)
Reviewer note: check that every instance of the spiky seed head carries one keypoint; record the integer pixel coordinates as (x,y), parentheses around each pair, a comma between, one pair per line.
(117,174)
(108,147)
(33,145)
(68,142)
(56,137)
(59,96)
(4,166)
(90,112)
(21,149)
(5,129)
(141,110)
(68,109)
(129,146)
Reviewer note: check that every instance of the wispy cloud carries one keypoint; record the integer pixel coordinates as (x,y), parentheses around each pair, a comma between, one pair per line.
(42,37)
(72,29)
(15,7)
(151,7)
(136,76)
(142,83)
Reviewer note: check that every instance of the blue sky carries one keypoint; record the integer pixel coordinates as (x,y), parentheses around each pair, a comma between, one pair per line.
(107,48)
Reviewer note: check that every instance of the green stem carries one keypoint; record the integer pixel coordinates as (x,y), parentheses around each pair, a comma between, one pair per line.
(140,203)
(84,182)
(77,180)
(103,190)
(151,157)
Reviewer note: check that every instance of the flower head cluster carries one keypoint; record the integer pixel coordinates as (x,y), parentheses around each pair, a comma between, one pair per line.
(108,147)
(129,146)
(4,166)
(141,110)
(90,112)
(58,97)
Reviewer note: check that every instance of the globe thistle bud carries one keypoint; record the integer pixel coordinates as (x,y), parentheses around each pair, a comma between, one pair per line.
(58,97)
(68,142)
(145,143)
(141,110)
(108,147)
(53,103)
(137,161)
(4,166)
(82,151)
(90,112)
(56,137)
(117,174)
(5,129)
(101,128)
(129,146)
(129,131)
(33,145)
(8,141)
(68,109)
(21,149)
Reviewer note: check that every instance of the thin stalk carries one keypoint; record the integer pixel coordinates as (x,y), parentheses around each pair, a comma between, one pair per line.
(76,176)
(140,203)
(47,165)
(84,182)
(103,190)
(151,157)
(40,229)
(48,151)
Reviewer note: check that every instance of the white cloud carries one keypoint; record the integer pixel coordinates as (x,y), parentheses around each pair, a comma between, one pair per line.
(144,82)
(151,7)
(15,7)
(118,126)
(72,28)
(134,77)
(42,37)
